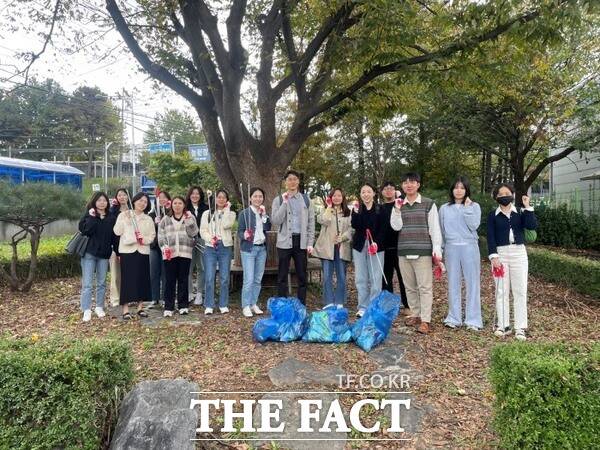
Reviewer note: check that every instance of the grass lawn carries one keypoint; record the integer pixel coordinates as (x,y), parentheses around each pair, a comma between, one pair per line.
(220,355)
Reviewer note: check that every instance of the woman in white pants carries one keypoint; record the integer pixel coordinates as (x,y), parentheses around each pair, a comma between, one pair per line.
(506,248)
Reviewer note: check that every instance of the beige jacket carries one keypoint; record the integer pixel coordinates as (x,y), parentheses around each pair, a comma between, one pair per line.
(124,228)
(324,248)
(220,225)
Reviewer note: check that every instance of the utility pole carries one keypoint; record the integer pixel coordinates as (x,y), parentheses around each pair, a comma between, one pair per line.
(133,155)
(173,144)
(120,162)
(106,147)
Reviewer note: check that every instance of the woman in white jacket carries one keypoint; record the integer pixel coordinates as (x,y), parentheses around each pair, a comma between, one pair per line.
(136,231)
(215,230)
(333,247)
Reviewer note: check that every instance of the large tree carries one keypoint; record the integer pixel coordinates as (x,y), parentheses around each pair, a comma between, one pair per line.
(301,65)
(310,61)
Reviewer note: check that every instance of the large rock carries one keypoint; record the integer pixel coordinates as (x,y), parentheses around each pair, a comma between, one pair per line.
(157,415)
(293,371)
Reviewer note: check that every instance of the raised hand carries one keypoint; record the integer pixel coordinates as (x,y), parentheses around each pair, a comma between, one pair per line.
(285,197)
(329,202)
(468,201)
(398,203)
(525,201)
(355,206)
(262,210)
(92,212)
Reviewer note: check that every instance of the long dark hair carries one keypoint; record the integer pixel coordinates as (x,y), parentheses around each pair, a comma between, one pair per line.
(344,205)
(139,195)
(92,203)
(188,201)
(465,182)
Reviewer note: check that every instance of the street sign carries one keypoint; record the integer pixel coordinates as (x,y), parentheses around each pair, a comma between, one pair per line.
(199,152)
(95,187)
(160,147)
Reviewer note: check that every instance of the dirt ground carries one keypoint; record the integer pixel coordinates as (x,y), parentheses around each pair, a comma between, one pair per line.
(220,354)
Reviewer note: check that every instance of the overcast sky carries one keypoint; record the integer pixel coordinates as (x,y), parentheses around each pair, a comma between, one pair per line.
(117,71)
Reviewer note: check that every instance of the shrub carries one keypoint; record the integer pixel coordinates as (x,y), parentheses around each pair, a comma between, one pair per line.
(565,227)
(52,262)
(60,393)
(547,396)
(581,274)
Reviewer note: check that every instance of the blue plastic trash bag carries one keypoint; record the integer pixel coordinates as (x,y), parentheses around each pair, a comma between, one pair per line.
(329,325)
(372,328)
(287,323)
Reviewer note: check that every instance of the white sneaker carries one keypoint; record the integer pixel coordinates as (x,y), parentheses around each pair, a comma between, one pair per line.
(198,299)
(360,313)
(520,335)
(329,305)
(87,315)
(100,312)
(208,311)
(167,313)
(473,328)
(183,311)
(499,332)
(339,306)
(224,310)
(256,309)
(247,312)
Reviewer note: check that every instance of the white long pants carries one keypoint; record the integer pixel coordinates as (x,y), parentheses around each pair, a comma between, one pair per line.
(514,259)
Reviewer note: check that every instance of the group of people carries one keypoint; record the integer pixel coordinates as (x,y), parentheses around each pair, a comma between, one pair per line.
(167,253)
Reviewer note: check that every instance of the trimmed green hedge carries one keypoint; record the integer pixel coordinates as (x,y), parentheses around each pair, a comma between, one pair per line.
(566,227)
(547,396)
(61,393)
(53,262)
(581,274)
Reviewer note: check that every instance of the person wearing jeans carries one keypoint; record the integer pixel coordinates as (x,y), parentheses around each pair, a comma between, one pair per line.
(293,214)
(459,220)
(506,247)
(419,239)
(333,248)
(196,206)
(367,247)
(97,225)
(176,236)
(215,230)
(253,223)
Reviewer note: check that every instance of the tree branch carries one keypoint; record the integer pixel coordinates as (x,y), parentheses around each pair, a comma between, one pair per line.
(155,70)
(457,46)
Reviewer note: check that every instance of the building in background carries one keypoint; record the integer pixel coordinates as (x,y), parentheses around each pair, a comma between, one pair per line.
(26,171)
(575,181)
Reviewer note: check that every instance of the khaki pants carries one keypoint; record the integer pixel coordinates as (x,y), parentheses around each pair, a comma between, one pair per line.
(115,279)
(417,275)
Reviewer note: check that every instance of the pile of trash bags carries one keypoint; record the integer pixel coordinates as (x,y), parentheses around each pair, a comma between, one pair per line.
(290,321)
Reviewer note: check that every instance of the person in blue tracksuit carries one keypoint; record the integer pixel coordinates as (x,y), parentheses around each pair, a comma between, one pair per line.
(459,220)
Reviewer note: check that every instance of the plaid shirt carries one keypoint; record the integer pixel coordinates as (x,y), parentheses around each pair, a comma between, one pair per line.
(180,239)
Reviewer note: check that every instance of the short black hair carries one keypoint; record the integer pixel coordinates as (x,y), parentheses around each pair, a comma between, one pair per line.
(411,176)
(292,172)
(254,189)
(139,195)
(386,184)
(509,186)
(465,182)
(221,190)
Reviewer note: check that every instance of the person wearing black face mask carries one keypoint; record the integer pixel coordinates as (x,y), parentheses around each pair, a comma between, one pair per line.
(506,248)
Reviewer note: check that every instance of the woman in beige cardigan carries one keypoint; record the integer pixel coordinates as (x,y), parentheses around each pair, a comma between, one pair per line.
(215,230)
(333,247)
(136,231)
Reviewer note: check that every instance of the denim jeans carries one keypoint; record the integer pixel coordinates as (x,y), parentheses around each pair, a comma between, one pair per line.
(91,265)
(337,265)
(198,263)
(368,275)
(253,263)
(158,278)
(220,256)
